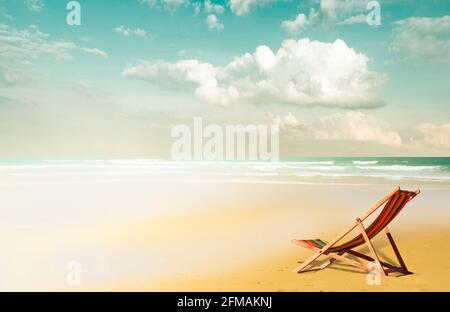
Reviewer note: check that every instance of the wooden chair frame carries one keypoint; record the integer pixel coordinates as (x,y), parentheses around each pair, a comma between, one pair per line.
(382,267)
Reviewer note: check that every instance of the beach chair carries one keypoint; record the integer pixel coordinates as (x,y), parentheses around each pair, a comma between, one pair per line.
(334,250)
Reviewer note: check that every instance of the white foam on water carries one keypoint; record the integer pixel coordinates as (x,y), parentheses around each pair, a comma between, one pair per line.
(328,162)
(151,168)
(398,168)
(365,162)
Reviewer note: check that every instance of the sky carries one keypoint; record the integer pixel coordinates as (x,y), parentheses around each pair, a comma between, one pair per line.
(336,82)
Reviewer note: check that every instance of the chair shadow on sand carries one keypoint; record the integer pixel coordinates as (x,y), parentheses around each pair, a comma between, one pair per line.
(346,268)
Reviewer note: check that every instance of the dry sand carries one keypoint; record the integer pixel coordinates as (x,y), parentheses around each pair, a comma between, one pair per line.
(421,252)
(207,236)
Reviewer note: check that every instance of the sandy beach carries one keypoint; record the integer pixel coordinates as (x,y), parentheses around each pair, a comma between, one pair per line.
(275,274)
(182,145)
(206,235)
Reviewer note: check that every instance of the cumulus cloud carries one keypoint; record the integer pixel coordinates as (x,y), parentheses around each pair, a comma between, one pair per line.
(330,12)
(423,37)
(336,11)
(325,13)
(294,27)
(348,126)
(288,123)
(35,5)
(212,8)
(434,135)
(303,72)
(203,77)
(321,11)
(127,32)
(213,22)
(243,7)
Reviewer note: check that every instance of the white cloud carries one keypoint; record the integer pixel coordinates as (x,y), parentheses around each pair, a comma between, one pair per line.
(243,7)
(96,51)
(303,72)
(330,12)
(325,13)
(355,126)
(127,32)
(434,135)
(12,76)
(213,22)
(356,19)
(31,43)
(35,5)
(186,74)
(288,122)
(338,10)
(321,10)
(197,8)
(173,5)
(8,17)
(212,8)
(348,126)
(170,5)
(150,3)
(295,26)
(423,37)
(19,47)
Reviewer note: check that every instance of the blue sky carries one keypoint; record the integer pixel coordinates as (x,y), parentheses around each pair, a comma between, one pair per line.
(116,84)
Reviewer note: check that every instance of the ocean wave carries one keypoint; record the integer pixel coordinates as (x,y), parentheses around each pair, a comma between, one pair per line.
(306,163)
(374,175)
(365,162)
(399,168)
(325,168)
(157,168)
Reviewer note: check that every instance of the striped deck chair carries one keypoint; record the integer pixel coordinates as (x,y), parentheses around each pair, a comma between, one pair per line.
(394,203)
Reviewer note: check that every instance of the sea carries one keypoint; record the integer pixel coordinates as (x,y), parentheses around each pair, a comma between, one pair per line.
(430,169)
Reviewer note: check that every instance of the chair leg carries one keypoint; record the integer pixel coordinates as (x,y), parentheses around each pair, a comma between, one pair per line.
(349,261)
(362,256)
(396,251)
(328,262)
(317,268)
(372,249)
(314,257)
(331,258)
(338,256)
